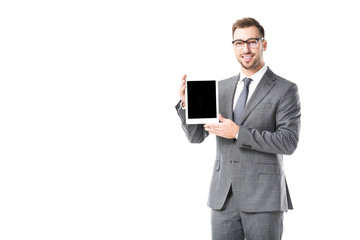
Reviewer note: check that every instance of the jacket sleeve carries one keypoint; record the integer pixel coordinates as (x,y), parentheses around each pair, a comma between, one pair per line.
(195,133)
(286,136)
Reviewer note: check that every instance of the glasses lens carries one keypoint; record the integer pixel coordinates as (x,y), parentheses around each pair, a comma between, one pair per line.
(238,44)
(253,43)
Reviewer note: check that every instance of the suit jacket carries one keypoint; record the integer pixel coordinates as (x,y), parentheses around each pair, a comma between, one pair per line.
(269,128)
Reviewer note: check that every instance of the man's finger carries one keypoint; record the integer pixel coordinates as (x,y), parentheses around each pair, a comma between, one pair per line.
(182,89)
(211,125)
(221,118)
(211,131)
(183,80)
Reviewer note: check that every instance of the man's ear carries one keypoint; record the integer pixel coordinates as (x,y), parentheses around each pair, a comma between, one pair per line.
(264,45)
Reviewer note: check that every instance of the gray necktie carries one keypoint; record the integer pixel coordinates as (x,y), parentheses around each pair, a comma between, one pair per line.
(241,102)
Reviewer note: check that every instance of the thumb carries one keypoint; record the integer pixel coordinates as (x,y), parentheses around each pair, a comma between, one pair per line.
(221,118)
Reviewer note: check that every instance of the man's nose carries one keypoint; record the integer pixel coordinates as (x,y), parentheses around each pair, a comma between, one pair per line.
(246,48)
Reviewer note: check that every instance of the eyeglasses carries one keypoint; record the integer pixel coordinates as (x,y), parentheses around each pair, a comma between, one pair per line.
(252,43)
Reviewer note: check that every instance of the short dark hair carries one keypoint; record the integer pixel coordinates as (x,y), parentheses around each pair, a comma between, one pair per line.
(248,22)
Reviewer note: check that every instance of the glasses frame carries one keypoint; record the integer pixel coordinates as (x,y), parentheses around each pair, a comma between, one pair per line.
(246,41)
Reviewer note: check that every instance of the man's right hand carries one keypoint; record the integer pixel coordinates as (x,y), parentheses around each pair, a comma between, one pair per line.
(182,90)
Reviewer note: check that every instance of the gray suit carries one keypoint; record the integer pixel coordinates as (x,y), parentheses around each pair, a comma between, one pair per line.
(269,128)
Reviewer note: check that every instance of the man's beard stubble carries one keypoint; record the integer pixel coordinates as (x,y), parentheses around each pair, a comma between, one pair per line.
(253,65)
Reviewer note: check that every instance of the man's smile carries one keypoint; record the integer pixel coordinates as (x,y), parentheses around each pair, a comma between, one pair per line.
(247,58)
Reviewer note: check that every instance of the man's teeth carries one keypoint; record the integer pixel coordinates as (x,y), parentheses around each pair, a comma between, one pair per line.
(247,57)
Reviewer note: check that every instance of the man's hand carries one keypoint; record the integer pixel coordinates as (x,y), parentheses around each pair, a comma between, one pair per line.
(226,128)
(182,90)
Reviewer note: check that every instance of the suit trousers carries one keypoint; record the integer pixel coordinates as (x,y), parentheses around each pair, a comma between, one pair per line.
(230,223)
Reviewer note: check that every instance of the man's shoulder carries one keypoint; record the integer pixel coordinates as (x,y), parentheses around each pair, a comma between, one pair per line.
(229,80)
(280,81)
(283,80)
(285,85)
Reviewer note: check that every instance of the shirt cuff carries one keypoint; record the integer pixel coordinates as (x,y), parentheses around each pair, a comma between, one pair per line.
(237,134)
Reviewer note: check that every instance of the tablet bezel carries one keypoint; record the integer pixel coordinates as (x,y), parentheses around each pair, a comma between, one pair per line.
(202,120)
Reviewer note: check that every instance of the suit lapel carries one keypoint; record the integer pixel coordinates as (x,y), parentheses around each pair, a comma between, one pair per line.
(266,83)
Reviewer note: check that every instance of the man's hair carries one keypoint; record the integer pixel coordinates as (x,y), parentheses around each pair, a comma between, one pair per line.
(248,22)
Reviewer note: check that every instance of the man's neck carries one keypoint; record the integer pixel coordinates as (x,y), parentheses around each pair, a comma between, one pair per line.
(250,72)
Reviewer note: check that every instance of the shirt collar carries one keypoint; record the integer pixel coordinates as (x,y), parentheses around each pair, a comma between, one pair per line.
(256,77)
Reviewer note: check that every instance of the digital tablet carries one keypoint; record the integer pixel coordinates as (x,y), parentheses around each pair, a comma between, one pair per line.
(202,104)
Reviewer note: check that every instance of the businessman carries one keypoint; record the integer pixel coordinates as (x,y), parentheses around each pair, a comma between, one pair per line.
(259,123)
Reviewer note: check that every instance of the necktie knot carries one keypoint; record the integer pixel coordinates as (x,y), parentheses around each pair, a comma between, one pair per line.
(247,82)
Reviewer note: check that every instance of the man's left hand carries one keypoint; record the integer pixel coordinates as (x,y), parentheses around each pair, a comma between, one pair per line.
(226,128)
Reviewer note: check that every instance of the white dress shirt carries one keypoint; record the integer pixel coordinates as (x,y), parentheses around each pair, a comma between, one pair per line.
(255,81)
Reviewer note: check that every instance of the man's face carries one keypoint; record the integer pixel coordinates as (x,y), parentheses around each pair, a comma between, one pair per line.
(250,58)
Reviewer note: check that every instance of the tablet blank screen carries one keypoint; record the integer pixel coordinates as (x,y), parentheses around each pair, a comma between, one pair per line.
(201,99)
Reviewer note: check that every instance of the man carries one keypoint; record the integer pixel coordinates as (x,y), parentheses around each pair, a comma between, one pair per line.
(259,122)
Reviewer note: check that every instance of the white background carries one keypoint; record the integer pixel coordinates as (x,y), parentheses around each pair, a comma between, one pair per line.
(91,146)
